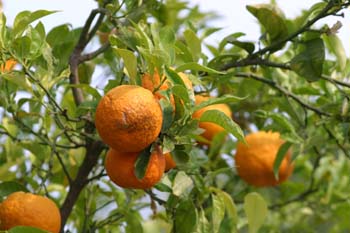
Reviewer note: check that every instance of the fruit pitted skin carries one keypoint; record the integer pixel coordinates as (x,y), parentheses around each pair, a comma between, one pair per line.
(211,129)
(26,209)
(128,118)
(254,161)
(120,169)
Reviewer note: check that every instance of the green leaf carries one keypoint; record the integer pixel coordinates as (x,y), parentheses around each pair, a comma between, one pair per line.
(54,37)
(220,118)
(197,67)
(143,38)
(284,125)
(182,183)
(168,145)
(203,225)
(182,93)
(186,217)
(183,52)
(168,114)
(21,47)
(282,152)
(173,76)
(8,187)
(130,63)
(218,212)
(133,222)
(232,39)
(141,163)
(230,206)
(335,46)
(2,29)
(193,43)
(256,211)
(38,150)
(222,61)
(309,62)
(219,100)
(180,156)
(271,20)
(24,18)
(23,229)
(88,89)
(18,79)
(167,36)
(86,71)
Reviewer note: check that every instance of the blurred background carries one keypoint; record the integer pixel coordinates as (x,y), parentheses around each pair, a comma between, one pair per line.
(234,16)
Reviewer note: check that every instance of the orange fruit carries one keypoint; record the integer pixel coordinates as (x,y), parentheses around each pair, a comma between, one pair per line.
(211,129)
(8,66)
(255,160)
(26,209)
(169,162)
(156,84)
(120,169)
(128,118)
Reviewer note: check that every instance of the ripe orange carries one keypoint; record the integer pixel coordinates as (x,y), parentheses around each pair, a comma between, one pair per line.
(255,160)
(26,209)
(120,169)
(169,162)
(8,66)
(211,129)
(128,118)
(156,84)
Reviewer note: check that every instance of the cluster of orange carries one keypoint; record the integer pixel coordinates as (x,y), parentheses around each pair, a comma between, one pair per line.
(129,119)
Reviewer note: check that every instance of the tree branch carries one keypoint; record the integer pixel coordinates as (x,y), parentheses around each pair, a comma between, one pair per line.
(253,59)
(344,84)
(323,13)
(284,91)
(310,190)
(75,58)
(91,157)
(92,55)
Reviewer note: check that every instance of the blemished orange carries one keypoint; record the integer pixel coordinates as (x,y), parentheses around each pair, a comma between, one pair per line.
(120,167)
(254,161)
(128,118)
(211,129)
(27,209)
(156,84)
(169,162)
(8,66)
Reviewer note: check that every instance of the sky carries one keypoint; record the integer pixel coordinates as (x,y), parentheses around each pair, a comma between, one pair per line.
(235,17)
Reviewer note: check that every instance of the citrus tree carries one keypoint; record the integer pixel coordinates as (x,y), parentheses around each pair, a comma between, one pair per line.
(134,123)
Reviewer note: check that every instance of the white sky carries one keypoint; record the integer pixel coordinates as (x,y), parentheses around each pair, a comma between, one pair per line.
(235,16)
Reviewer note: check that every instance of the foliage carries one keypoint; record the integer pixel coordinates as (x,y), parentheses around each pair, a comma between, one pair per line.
(294,79)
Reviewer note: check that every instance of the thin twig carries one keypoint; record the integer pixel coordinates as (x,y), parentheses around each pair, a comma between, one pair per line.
(308,24)
(255,61)
(74,61)
(335,81)
(284,91)
(92,55)
(340,145)
(300,197)
(154,197)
